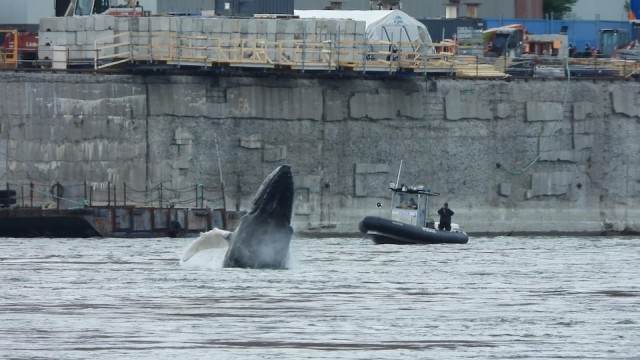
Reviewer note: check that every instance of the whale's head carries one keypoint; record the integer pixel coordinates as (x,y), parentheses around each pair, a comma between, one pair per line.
(274,198)
(263,236)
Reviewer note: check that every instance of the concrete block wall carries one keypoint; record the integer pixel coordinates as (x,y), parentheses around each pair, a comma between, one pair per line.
(155,38)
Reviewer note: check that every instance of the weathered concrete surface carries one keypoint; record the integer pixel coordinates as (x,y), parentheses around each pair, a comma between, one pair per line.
(509,157)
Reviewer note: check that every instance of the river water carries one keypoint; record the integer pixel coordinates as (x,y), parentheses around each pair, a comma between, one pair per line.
(342,298)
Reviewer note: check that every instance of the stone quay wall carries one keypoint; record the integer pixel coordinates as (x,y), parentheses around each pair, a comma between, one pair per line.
(510,157)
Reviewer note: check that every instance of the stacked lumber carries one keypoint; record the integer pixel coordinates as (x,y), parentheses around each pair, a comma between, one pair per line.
(621,67)
(470,66)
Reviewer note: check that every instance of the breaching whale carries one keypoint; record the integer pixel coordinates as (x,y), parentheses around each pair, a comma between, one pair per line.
(263,236)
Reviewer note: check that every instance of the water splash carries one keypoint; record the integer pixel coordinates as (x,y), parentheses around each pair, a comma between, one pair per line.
(207,259)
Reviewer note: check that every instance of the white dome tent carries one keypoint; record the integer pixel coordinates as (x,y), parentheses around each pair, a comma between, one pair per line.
(386,26)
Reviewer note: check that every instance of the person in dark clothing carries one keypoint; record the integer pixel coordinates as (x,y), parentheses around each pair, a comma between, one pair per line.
(445,217)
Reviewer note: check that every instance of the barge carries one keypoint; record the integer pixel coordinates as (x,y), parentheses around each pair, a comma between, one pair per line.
(109,221)
(70,211)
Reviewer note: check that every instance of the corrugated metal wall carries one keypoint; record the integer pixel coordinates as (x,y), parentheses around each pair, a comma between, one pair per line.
(323,4)
(228,7)
(273,6)
(185,6)
(435,9)
(420,9)
(529,9)
(251,7)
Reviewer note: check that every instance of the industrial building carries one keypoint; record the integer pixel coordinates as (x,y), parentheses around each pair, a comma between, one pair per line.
(417,8)
(421,9)
(227,7)
(611,10)
(23,13)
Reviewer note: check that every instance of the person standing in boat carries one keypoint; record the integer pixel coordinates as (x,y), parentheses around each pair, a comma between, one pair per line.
(445,217)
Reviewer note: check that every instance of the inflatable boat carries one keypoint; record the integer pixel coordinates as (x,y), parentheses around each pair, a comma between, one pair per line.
(410,222)
(385,231)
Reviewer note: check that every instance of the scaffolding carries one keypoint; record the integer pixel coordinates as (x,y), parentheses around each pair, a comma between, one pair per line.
(332,54)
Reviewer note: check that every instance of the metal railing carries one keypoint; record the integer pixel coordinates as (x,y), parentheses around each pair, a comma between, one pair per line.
(181,50)
(67,195)
(330,54)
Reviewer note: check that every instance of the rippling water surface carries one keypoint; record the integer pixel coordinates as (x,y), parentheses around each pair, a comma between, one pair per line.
(500,298)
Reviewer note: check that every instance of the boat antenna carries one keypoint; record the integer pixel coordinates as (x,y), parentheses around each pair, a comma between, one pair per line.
(399,170)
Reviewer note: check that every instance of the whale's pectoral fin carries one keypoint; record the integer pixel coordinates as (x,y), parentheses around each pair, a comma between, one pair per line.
(214,239)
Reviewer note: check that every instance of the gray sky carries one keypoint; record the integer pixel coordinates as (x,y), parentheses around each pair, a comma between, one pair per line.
(25,11)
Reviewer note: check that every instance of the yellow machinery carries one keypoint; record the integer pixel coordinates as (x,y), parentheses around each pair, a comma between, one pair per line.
(9,54)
